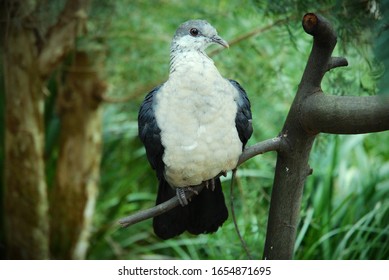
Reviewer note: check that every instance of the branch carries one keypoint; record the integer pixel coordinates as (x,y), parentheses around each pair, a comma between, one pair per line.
(139,91)
(292,165)
(252,33)
(278,143)
(274,144)
(345,114)
(313,112)
(336,62)
(320,61)
(244,244)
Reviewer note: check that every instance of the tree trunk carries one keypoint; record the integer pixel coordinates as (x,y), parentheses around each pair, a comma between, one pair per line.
(29,58)
(77,175)
(313,112)
(25,196)
(292,165)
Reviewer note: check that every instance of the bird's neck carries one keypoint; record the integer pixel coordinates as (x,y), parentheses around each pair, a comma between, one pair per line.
(190,61)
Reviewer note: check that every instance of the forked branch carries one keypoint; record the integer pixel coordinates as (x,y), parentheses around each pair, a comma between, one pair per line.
(313,112)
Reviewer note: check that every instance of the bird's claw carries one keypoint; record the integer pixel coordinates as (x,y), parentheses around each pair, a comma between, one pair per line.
(210,183)
(181,195)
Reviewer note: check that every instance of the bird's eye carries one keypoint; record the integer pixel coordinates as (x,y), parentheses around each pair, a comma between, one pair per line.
(194,32)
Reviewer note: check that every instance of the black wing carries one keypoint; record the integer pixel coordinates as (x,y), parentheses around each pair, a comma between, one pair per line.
(149,132)
(243,119)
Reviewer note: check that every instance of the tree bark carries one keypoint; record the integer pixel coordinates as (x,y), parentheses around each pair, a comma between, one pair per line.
(77,175)
(29,58)
(25,195)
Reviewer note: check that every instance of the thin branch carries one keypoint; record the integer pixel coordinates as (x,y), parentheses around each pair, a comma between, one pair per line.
(278,143)
(274,144)
(324,41)
(139,91)
(244,244)
(252,33)
(336,62)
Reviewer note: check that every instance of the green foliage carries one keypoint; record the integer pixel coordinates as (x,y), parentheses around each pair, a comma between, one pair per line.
(351,18)
(381,46)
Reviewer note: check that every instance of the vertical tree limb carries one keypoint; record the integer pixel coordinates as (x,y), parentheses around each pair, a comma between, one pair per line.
(60,38)
(292,165)
(25,194)
(78,169)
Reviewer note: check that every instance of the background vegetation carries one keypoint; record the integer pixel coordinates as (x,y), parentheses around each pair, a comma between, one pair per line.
(345,211)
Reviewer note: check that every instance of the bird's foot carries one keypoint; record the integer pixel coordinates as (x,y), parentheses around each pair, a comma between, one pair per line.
(210,184)
(181,195)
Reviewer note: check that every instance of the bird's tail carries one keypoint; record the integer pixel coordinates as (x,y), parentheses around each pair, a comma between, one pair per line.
(205,213)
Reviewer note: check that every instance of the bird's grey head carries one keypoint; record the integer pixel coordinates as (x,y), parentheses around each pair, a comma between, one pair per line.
(196,35)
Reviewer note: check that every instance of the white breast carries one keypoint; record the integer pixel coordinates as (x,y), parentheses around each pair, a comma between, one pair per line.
(195,110)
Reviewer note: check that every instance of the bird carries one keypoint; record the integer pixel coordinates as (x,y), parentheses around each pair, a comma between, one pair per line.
(194,127)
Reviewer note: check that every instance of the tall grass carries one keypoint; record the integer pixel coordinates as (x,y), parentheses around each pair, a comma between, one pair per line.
(346,203)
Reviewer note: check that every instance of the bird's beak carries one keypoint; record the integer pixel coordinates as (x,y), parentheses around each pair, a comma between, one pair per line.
(219,40)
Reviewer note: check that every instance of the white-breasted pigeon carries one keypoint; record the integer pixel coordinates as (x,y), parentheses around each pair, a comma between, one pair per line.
(194,128)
